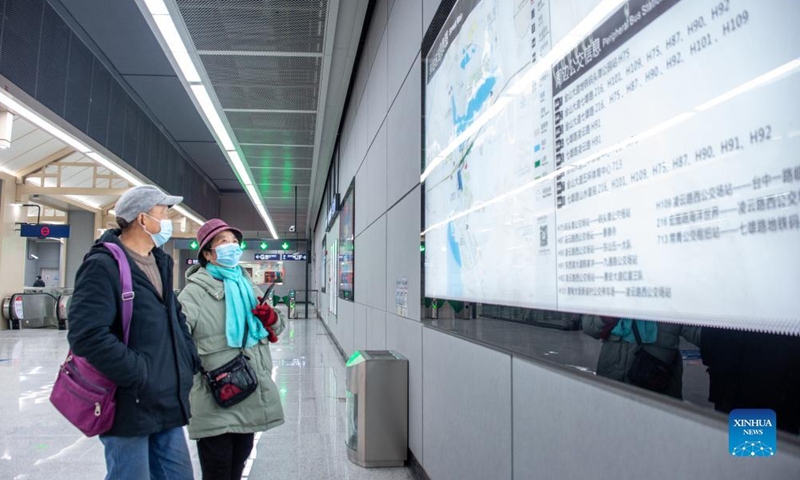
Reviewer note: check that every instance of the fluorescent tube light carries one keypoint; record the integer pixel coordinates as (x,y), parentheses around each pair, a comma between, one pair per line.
(201,94)
(156,7)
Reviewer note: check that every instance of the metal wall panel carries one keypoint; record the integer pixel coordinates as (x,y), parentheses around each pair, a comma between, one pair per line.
(40,54)
(79,84)
(51,81)
(100,100)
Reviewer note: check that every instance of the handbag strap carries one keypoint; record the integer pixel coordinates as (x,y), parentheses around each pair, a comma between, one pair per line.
(127,287)
(636,333)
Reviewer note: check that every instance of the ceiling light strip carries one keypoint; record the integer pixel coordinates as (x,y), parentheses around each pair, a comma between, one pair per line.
(29,115)
(34,118)
(175,44)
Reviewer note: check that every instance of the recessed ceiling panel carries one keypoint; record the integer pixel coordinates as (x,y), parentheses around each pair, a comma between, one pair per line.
(210,159)
(256,25)
(166,96)
(273,137)
(292,177)
(269,152)
(267,97)
(279,164)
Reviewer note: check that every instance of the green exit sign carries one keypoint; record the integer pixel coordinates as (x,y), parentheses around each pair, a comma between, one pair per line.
(285,245)
(263,245)
(194,245)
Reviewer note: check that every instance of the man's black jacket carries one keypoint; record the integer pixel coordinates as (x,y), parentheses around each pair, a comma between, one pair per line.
(155,371)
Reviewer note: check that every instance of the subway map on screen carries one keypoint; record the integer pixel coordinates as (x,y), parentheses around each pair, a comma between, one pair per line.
(624,158)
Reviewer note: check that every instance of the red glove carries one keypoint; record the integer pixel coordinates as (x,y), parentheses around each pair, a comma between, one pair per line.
(268,317)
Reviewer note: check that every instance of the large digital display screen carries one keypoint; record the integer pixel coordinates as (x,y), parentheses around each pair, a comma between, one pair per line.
(634,159)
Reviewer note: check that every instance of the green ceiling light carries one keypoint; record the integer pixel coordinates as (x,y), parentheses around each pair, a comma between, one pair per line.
(285,245)
(194,245)
(263,246)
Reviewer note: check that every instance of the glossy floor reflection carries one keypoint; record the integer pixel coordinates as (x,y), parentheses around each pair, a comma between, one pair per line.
(37,443)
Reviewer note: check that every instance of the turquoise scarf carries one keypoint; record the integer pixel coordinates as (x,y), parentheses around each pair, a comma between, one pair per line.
(647,330)
(239,301)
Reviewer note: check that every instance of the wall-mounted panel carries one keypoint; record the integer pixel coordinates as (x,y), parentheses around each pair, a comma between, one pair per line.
(466,395)
(404,138)
(558,416)
(405,336)
(376,91)
(22,28)
(79,84)
(403,259)
(376,329)
(54,55)
(360,318)
(376,177)
(405,38)
(100,101)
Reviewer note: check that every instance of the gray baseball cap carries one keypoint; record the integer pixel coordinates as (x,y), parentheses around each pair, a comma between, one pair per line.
(142,199)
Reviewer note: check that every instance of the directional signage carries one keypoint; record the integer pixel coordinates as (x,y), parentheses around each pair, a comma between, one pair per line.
(44,231)
(267,256)
(284,257)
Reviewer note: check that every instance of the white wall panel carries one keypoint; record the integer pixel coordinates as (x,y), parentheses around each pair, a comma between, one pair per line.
(376,329)
(345,328)
(404,138)
(405,41)
(361,208)
(376,177)
(402,243)
(359,326)
(376,89)
(557,416)
(377,28)
(405,336)
(466,406)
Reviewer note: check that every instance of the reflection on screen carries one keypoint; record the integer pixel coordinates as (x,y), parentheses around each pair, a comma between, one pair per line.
(642,165)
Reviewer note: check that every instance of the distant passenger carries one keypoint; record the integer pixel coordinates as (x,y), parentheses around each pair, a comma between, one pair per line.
(620,344)
(754,370)
(223,310)
(38,282)
(154,372)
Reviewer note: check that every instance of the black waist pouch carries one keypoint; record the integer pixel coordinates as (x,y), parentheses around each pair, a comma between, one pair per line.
(232,382)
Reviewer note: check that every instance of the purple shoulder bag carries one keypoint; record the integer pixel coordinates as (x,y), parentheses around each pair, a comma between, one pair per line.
(82,394)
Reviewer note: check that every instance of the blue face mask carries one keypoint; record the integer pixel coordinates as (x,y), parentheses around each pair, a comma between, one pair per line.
(228,255)
(164,234)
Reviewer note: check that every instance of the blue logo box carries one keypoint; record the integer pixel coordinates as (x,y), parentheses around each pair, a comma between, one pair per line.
(752,433)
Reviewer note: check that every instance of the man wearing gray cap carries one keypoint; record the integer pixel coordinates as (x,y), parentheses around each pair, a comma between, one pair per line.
(154,371)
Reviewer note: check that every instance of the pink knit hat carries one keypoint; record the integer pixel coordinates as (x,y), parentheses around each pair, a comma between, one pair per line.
(211,229)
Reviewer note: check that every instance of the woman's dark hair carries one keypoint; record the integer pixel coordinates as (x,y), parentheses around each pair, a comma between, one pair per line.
(201,255)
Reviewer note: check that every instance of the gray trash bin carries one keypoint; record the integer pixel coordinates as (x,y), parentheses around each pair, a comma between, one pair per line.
(377,408)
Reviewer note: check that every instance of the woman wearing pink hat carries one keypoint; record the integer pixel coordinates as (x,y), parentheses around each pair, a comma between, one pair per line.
(233,331)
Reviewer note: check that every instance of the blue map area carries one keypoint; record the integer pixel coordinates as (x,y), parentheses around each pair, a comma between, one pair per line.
(468,53)
(451,240)
(475,105)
